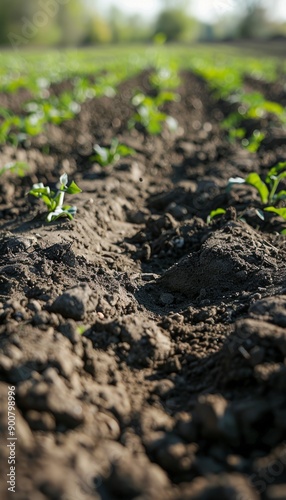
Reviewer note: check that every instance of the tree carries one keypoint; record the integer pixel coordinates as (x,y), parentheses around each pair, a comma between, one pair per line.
(174,23)
(254,24)
(72,21)
(11,18)
(97,31)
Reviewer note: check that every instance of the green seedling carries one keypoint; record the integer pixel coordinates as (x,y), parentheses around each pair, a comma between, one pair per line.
(8,124)
(224,81)
(54,200)
(53,110)
(149,115)
(215,213)
(17,167)
(104,86)
(254,142)
(110,156)
(81,329)
(278,211)
(267,190)
(165,78)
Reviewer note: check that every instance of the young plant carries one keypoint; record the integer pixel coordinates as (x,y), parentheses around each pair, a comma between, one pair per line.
(267,190)
(215,213)
(165,77)
(54,200)
(149,115)
(254,141)
(109,156)
(17,167)
(9,124)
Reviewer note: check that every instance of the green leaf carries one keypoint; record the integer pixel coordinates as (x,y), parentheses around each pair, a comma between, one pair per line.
(255,141)
(214,213)
(51,204)
(154,127)
(275,171)
(73,188)
(19,168)
(273,107)
(279,211)
(124,150)
(61,212)
(82,329)
(39,191)
(281,195)
(165,97)
(101,156)
(253,99)
(255,180)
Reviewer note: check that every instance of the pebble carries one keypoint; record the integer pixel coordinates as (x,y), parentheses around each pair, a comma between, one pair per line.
(73,303)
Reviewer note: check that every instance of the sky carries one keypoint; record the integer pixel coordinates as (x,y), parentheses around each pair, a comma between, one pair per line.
(205,10)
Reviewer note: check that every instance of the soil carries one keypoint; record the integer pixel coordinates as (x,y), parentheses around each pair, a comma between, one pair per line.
(146,346)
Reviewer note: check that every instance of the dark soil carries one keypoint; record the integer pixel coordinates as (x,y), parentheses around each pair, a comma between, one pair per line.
(176,388)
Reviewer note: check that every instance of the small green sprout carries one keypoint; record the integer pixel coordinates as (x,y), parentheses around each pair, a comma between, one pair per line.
(54,199)
(16,167)
(254,142)
(165,78)
(81,329)
(109,156)
(149,115)
(267,190)
(215,213)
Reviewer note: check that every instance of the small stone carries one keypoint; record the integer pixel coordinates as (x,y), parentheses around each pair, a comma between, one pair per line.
(209,413)
(73,303)
(41,318)
(132,477)
(185,427)
(176,456)
(163,387)
(34,306)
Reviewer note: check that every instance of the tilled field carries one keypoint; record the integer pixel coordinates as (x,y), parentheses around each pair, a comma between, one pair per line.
(176,388)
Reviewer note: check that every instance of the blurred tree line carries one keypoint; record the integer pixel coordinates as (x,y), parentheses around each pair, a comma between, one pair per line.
(77,22)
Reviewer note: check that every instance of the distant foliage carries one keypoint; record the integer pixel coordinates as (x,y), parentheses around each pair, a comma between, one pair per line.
(174,24)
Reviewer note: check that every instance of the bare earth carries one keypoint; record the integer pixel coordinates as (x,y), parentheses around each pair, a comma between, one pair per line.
(176,390)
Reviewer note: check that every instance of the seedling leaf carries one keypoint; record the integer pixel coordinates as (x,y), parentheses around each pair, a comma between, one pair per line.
(279,211)
(281,195)
(18,167)
(214,213)
(255,180)
(73,188)
(276,171)
(54,199)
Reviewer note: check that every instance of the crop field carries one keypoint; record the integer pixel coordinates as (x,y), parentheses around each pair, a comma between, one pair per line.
(143,274)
